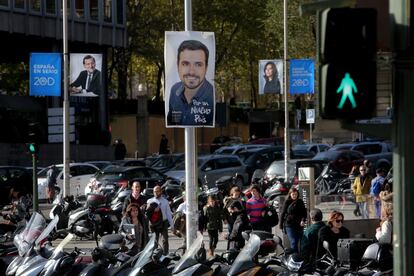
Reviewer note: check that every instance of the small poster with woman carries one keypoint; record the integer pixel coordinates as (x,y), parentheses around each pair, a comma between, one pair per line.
(270,76)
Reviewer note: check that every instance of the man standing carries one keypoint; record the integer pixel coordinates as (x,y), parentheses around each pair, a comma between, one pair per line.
(167,220)
(163,145)
(309,243)
(120,150)
(360,188)
(51,176)
(192,99)
(89,80)
(375,190)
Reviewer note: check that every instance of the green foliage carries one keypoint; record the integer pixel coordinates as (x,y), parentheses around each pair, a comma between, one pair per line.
(14,78)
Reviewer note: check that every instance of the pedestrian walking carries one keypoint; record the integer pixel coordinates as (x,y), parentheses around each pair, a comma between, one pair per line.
(214,216)
(119,150)
(360,188)
(256,209)
(135,197)
(51,177)
(162,206)
(375,190)
(241,223)
(235,195)
(293,218)
(163,145)
(132,228)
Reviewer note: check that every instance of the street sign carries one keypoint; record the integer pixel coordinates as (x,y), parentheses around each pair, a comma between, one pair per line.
(310,116)
(45,74)
(302,76)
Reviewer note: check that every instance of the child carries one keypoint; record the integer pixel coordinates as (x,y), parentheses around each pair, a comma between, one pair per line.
(213,214)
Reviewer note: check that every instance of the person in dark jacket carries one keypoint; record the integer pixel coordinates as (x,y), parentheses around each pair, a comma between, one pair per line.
(135,197)
(293,217)
(120,150)
(214,215)
(241,223)
(309,242)
(332,233)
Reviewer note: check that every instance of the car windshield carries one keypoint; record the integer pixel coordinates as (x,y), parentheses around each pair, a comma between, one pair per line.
(300,147)
(108,175)
(326,155)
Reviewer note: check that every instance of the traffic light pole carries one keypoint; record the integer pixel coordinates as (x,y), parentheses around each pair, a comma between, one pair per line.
(35,194)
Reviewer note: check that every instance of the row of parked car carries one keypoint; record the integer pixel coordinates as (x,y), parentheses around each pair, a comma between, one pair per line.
(239,160)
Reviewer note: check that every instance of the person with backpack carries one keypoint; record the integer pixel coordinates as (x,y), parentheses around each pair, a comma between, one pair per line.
(160,217)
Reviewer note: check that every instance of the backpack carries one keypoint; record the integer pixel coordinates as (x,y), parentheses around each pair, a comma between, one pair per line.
(271,217)
(154,217)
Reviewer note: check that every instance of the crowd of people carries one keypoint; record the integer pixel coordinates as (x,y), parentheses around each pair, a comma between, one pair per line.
(240,213)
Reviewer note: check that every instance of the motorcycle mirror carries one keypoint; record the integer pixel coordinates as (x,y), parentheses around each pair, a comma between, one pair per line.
(325,245)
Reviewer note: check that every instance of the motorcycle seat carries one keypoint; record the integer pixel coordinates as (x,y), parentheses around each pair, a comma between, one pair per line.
(111,242)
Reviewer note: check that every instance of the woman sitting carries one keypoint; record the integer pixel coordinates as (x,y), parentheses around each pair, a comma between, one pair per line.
(384,232)
(332,233)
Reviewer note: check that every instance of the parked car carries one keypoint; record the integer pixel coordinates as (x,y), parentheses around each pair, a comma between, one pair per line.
(165,162)
(100,164)
(129,163)
(235,149)
(14,176)
(221,141)
(343,160)
(315,148)
(80,173)
(124,176)
(212,167)
(260,158)
(378,152)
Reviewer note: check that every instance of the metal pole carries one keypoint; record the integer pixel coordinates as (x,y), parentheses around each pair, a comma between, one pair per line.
(285,57)
(35,194)
(190,161)
(66,150)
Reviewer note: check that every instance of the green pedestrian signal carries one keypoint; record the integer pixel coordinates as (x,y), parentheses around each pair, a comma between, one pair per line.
(32,148)
(347,87)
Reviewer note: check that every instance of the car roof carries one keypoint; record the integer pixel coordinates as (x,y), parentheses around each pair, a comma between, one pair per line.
(121,168)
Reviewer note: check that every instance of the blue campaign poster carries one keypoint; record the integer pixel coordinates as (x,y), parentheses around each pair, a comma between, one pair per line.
(302,76)
(45,74)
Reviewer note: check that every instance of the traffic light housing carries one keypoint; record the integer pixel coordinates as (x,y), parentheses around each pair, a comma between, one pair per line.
(348,67)
(32,148)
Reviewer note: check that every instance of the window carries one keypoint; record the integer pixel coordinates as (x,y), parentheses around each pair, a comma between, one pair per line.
(34,5)
(120,11)
(80,8)
(86,170)
(4,3)
(93,9)
(154,174)
(19,4)
(50,6)
(227,163)
(108,10)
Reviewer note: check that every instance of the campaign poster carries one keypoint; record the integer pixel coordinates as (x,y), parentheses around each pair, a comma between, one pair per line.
(189,79)
(85,75)
(45,74)
(302,75)
(270,76)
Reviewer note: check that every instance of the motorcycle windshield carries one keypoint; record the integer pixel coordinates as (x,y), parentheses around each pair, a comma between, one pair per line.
(47,230)
(24,240)
(244,260)
(145,256)
(61,245)
(189,258)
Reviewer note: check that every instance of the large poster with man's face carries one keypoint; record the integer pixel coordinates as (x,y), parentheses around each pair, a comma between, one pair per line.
(85,75)
(189,79)
(271,76)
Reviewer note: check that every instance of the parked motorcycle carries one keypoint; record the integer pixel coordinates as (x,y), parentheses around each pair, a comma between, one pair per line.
(31,243)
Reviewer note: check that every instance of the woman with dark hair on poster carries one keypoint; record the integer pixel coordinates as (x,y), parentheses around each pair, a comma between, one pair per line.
(271,76)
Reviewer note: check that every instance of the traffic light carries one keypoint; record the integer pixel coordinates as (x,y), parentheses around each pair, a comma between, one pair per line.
(348,67)
(32,148)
